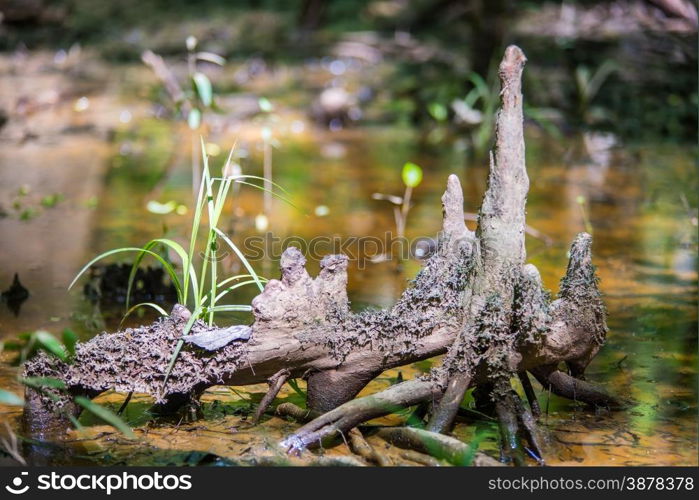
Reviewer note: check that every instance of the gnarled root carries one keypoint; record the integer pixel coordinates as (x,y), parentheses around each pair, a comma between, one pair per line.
(566,386)
(517,427)
(343,418)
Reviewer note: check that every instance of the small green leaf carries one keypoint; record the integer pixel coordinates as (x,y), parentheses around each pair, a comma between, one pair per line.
(10,398)
(265,105)
(70,338)
(107,415)
(43,382)
(52,200)
(194,119)
(202,85)
(50,344)
(297,389)
(412,174)
(438,111)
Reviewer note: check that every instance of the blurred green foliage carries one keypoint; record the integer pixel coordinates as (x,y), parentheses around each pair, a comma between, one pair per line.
(638,84)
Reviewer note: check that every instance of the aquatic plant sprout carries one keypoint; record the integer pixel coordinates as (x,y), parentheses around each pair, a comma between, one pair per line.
(200,291)
(192,287)
(411,174)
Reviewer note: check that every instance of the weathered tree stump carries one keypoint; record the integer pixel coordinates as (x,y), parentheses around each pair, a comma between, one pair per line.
(476,299)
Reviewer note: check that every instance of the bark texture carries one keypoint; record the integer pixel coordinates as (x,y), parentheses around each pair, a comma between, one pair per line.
(476,299)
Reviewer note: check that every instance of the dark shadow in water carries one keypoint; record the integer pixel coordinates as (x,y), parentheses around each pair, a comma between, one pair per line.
(15,296)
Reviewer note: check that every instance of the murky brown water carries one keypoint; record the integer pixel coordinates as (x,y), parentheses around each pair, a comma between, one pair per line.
(107,160)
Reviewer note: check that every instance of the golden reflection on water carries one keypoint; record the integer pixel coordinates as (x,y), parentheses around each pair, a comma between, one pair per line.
(636,200)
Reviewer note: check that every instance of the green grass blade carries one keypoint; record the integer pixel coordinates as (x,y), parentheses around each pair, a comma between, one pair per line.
(208,181)
(297,389)
(70,338)
(240,255)
(480,84)
(234,287)
(185,258)
(142,304)
(75,422)
(472,98)
(236,178)
(195,232)
(50,344)
(166,265)
(134,271)
(106,415)
(43,382)
(178,347)
(173,359)
(210,207)
(221,284)
(214,277)
(231,308)
(276,195)
(238,277)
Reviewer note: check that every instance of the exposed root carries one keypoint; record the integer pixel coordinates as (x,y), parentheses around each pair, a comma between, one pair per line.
(361,447)
(443,418)
(436,445)
(420,458)
(562,384)
(517,427)
(352,413)
(296,413)
(276,382)
(529,392)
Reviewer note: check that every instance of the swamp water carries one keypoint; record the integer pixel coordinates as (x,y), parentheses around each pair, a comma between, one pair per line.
(77,172)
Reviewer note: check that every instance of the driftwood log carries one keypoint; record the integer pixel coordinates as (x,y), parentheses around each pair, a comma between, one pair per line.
(476,299)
